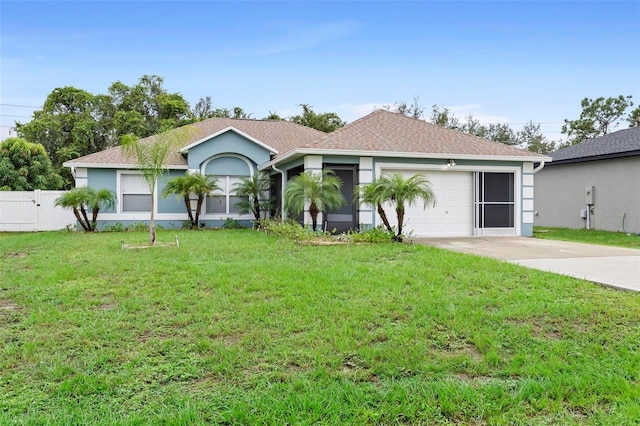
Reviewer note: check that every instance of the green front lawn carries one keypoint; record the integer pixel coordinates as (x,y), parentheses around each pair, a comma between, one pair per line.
(237,327)
(589,236)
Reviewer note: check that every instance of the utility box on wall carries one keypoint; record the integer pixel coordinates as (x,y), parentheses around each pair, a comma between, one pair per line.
(589,195)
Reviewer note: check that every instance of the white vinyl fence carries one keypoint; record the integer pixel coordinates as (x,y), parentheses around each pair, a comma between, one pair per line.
(28,211)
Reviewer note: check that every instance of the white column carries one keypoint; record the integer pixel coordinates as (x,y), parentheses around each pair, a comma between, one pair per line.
(312,163)
(366,212)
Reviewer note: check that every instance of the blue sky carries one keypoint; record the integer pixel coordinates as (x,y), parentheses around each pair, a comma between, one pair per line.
(500,61)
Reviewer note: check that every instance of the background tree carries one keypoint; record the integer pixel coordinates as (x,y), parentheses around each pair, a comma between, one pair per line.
(25,166)
(321,190)
(406,192)
(634,117)
(151,157)
(532,139)
(191,184)
(443,116)
(273,116)
(413,109)
(72,123)
(147,108)
(325,122)
(80,200)
(254,193)
(597,118)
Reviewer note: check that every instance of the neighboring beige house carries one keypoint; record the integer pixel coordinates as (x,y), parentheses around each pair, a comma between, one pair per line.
(594,184)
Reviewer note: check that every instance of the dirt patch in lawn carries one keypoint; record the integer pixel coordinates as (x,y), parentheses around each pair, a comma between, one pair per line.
(15,254)
(8,305)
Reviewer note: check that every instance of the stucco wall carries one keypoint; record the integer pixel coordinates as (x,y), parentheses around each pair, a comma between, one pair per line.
(559,194)
(227,143)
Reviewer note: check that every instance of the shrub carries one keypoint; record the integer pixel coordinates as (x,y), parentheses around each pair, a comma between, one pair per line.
(379,234)
(230,223)
(289,228)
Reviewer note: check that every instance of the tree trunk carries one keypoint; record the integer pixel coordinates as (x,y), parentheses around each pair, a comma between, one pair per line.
(187,202)
(87,224)
(256,209)
(94,217)
(400,213)
(383,216)
(198,208)
(79,219)
(152,223)
(313,212)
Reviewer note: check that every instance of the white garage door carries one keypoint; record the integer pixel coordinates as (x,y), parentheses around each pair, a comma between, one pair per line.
(452,215)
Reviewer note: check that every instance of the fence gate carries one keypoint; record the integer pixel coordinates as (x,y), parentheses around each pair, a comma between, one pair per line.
(25,211)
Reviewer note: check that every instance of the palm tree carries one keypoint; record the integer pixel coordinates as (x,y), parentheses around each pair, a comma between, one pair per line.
(406,192)
(82,199)
(196,184)
(151,157)
(99,198)
(75,199)
(320,190)
(252,191)
(373,194)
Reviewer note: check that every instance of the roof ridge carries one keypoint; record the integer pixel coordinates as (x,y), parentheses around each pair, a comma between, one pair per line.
(450,130)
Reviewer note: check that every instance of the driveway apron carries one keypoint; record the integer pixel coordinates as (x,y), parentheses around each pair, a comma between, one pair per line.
(611,266)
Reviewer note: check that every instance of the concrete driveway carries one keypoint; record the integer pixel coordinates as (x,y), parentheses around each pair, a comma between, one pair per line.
(611,266)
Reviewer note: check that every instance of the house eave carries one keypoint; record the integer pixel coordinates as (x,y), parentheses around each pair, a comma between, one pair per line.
(117,166)
(291,155)
(225,130)
(625,154)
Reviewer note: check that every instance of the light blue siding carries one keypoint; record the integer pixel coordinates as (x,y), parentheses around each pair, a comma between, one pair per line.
(228,166)
(172,203)
(103,178)
(227,143)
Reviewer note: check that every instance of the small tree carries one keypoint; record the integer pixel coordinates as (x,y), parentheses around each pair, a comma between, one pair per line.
(25,166)
(151,157)
(373,194)
(320,190)
(80,200)
(406,192)
(252,190)
(196,184)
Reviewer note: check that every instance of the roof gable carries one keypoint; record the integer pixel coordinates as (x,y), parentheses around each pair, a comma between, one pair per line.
(225,130)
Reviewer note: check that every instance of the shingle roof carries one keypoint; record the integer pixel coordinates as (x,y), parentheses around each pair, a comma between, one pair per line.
(280,135)
(388,131)
(381,131)
(617,144)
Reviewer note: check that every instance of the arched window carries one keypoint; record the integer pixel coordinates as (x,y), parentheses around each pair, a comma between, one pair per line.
(229,169)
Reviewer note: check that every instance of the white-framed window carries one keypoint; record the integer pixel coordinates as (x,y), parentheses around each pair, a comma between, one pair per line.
(224,200)
(134,193)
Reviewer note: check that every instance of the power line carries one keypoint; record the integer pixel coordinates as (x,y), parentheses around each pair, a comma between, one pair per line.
(20,106)
(11,115)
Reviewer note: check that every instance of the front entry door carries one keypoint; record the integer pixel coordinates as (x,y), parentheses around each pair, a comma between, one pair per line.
(344,218)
